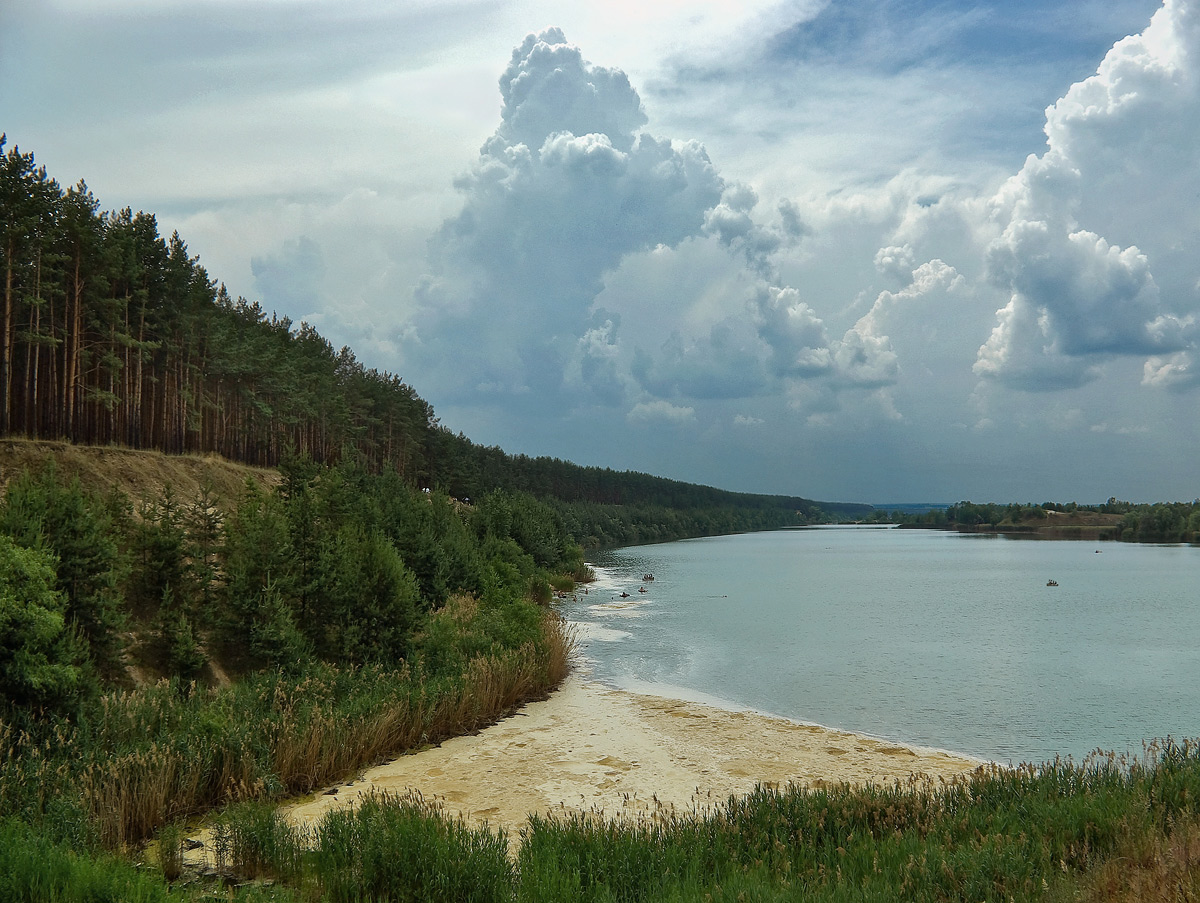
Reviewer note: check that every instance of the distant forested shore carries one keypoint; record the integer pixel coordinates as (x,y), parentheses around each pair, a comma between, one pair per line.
(1113,520)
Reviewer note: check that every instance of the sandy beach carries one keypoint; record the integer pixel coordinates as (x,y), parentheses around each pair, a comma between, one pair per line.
(592,748)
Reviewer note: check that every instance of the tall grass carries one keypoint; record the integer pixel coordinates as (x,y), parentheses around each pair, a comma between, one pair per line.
(1003,834)
(253,840)
(1105,831)
(150,757)
(33,868)
(392,848)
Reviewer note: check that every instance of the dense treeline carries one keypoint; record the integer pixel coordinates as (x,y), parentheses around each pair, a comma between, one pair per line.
(1160,522)
(337,565)
(472,469)
(112,334)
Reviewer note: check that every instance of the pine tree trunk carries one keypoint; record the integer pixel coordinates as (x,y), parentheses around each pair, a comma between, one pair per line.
(6,342)
(136,416)
(35,335)
(50,418)
(72,376)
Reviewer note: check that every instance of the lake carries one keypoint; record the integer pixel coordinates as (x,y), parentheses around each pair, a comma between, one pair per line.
(937,639)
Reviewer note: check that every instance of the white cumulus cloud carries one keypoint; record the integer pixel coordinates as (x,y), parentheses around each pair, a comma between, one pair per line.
(568,188)
(561,192)
(1092,251)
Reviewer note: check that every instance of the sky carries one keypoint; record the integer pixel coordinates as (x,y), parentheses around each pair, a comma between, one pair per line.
(858,250)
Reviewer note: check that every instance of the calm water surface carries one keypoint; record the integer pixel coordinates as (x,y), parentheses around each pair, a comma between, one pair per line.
(939,639)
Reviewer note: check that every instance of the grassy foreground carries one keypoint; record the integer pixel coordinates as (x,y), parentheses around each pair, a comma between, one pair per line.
(1103,830)
(151,758)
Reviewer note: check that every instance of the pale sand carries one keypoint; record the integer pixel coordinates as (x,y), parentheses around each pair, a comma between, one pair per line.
(592,748)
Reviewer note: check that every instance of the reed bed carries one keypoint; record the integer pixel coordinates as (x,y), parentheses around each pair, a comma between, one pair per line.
(34,868)
(401,848)
(1029,833)
(149,758)
(253,841)
(1107,831)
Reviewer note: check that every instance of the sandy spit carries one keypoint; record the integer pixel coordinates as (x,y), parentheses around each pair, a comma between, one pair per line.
(595,749)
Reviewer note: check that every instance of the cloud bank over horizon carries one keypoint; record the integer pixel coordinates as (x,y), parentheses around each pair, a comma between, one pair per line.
(793,247)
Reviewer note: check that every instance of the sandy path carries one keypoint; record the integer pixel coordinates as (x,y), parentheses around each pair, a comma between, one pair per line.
(589,747)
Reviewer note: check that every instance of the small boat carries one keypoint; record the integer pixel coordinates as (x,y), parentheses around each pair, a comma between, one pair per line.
(642,589)
(1051,583)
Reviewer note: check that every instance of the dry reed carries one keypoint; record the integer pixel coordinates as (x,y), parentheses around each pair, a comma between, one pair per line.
(167,752)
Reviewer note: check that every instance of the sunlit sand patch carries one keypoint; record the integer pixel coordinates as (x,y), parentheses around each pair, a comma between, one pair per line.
(590,748)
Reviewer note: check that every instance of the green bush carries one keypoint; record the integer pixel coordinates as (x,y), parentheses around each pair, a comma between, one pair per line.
(78,531)
(38,655)
(35,870)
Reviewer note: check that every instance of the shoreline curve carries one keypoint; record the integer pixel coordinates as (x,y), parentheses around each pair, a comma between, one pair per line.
(594,749)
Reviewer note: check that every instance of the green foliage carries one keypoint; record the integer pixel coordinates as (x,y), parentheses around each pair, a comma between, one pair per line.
(403,849)
(160,554)
(466,629)
(274,639)
(369,599)
(181,647)
(431,533)
(594,525)
(349,566)
(173,578)
(133,761)
(1162,522)
(202,522)
(257,561)
(34,869)
(1168,522)
(78,530)
(540,590)
(38,658)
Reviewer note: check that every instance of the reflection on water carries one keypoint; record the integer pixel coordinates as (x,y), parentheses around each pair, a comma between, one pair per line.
(932,638)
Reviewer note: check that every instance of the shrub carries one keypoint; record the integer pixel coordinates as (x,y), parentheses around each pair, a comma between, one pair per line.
(38,658)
